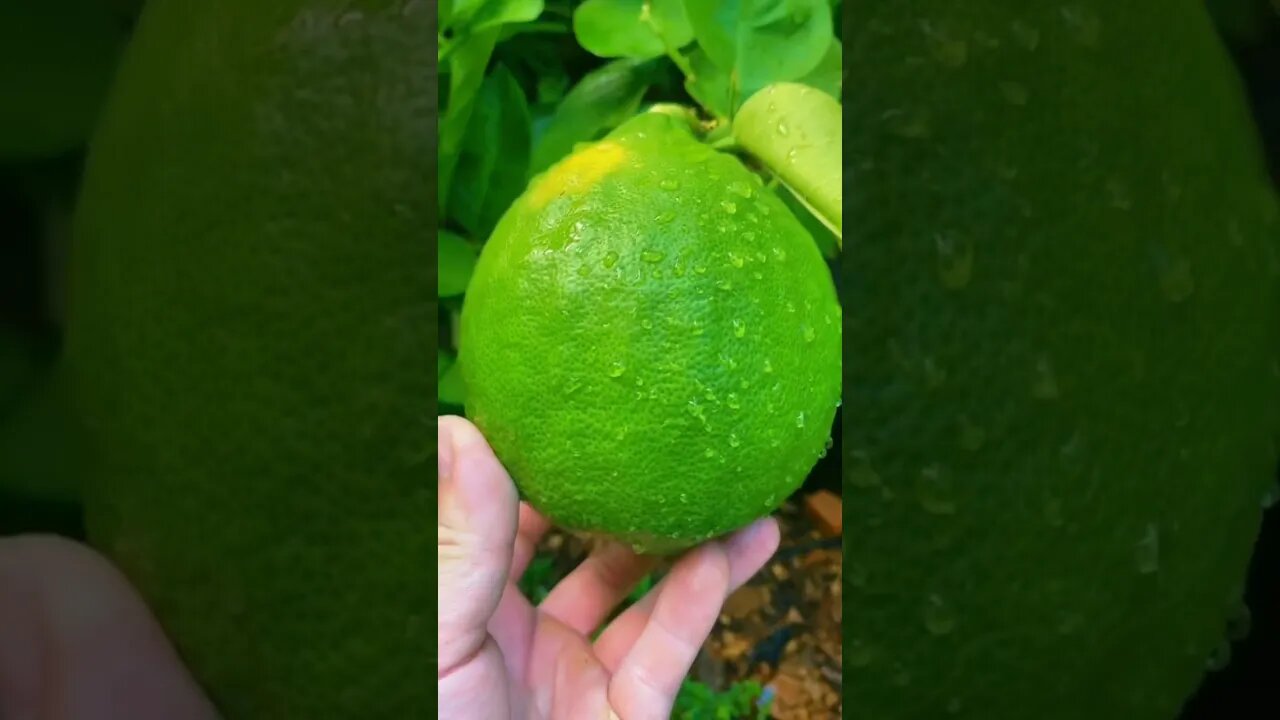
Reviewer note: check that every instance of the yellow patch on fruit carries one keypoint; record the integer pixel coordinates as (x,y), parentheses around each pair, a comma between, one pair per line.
(577,172)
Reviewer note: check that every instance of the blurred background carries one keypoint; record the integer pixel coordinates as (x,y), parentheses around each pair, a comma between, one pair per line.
(56,63)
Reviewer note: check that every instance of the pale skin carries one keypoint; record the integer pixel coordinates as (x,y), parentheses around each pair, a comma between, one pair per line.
(77,642)
(499,656)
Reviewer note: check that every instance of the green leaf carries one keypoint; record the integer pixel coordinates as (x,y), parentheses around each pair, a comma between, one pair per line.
(672,22)
(639,29)
(57,58)
(457,260)
(762,41)
(496,13)
(601,101)
(828,76)
(493,163)
(451,390)
(444,361)
(467,63)
(460,13)
(826,240)
(709,85)
(795,131)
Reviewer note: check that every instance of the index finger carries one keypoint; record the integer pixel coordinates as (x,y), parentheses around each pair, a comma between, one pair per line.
(685,610)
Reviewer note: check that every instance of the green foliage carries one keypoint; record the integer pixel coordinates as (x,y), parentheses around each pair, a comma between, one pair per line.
(740,701)
(601,101)
(523,83)
(539,578)
(640,29)
(56,60)
(762,41)
(493,158)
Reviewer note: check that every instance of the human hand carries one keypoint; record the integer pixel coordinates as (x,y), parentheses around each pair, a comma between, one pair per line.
(500,657)
(77,642)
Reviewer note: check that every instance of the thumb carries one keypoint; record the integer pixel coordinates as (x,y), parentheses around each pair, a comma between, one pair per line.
(477,516)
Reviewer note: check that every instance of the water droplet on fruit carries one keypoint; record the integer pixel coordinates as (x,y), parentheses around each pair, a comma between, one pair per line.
(733,440)
(1176,281)
(583,271)
(684,497)
(939,618)
(800,419)
(610,259)
(1025,35)
(779,253)
(1118,194)
(739,328)
(1068,623)
(768,366)
(735,259)
(617,369)
(708,453)
(792,155)
(1239,621)
(949,51)
(908,125)
(955,260)
(863,475)
(1271,496)
(860,654)
(669,184)
(1044,382)
(700,269)
(741,189)
(1053,512)
(782,128)
(1147,550)
(1220,658)
(728,206)
(647,324)
(934,376)
(732,401)
(724,284)
(972,437)
(857,574)
(1082,23)
(651,256)
(695,409)
(1014,93)
(664,217)
(809,334)
(933,490)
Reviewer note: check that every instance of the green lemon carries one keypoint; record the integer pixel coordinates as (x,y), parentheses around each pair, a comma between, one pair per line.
(1065,259)
(249,344)
(651,341)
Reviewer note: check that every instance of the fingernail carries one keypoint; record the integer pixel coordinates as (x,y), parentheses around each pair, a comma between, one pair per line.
(444,453)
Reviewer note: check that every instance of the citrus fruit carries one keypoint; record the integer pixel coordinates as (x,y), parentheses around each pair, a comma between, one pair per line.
(249,345)
(651,341)
(1064,258)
